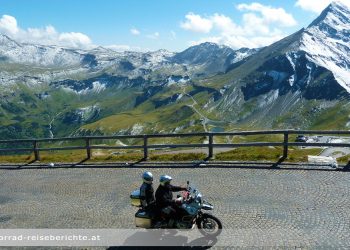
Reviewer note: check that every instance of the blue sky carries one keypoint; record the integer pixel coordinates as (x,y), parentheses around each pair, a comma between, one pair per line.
(155,24)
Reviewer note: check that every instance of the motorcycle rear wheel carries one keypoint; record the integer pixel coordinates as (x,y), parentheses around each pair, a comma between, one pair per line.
(209,225)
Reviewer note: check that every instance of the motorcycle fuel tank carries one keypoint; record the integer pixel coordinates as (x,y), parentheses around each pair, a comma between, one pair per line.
(190,209)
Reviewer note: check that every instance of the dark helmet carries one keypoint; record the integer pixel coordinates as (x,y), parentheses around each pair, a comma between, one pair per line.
(147,177)
(165,179)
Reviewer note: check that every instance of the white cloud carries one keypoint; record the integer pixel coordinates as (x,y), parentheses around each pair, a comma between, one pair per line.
(313,5)
(135,32)
(260,26)
(44,36)
(197,24)
(154,36)
(74,39)
(269,14)
(8,25)
(317,6)
(254,25)
(226,25)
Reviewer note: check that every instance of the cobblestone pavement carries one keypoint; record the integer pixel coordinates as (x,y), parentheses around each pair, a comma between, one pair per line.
(259,207)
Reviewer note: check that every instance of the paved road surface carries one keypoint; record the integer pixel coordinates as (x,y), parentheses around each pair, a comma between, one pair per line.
(280,208)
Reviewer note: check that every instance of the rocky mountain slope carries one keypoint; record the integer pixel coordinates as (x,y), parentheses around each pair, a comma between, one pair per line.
(294,82)
(301,81)
(50,91)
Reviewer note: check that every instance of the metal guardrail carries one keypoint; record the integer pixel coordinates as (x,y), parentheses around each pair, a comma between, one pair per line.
(210,145)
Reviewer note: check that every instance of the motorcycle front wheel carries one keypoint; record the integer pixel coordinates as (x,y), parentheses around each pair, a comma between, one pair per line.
(209,225)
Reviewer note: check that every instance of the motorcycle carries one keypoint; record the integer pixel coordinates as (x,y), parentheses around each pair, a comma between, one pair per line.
(190,205)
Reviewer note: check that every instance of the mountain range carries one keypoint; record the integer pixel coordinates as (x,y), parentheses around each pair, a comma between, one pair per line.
(299,82)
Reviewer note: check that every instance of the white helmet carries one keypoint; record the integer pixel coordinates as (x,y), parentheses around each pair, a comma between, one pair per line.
(147,177)
(164,179)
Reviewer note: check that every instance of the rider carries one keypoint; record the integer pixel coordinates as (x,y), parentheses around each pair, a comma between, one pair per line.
(147,191)
(164,197)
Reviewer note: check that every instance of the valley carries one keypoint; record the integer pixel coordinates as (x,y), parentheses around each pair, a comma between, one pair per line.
(299,82)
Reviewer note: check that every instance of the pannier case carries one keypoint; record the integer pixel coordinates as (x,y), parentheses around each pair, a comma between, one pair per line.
(143,219)
(135,198)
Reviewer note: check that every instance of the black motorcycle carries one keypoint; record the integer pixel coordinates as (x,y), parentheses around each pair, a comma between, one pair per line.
(190,205)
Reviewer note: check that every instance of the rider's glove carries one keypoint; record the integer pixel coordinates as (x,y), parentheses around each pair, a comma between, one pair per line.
(178,201)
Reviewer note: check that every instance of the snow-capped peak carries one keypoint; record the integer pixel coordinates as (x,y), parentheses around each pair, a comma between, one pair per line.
(7,42)
(336,15)
(39,55)
(327,41)
(160,55)
(343,3)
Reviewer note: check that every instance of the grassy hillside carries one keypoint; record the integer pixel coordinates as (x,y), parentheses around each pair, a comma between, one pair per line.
(263,91)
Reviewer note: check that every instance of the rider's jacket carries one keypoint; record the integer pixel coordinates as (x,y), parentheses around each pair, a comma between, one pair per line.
(164,195)
(146,194)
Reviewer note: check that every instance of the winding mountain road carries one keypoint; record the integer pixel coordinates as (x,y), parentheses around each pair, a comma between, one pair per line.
(334,152)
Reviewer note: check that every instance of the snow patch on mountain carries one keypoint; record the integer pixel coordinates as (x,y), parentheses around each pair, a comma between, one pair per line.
(37,54)
(136,129)
(159,56)
(242,54)
(177,80)
(87,113)
(292,60)
(327,42)
(309,69)
(179,97)
(328,55)
(97,87)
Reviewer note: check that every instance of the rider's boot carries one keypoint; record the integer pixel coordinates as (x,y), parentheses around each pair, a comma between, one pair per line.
(161,224)
(171,223)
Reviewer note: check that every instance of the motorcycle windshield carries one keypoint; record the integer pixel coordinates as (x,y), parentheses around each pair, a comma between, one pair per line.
(195,194)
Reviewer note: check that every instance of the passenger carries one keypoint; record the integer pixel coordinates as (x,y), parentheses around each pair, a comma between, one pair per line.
(147,192)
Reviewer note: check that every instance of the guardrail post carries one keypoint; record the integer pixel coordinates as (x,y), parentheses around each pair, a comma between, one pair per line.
(36,151)
(285,145)
(145,147)
(210,146)
(88,149)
